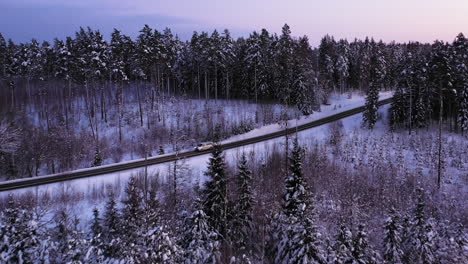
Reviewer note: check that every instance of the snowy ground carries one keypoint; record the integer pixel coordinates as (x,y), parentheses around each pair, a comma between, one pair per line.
(197,164)
(338,103)
(359,147)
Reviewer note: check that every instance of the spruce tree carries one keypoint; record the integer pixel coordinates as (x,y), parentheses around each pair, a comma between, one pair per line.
(97,158)
(132,213)
(214,193)
(3,56)
(112,228)
(200,241)
(96,224)
(19,234)
(371,107)
(242,225)
(362,251)
(343,246)
(460,61)
(294,198)
(299,239)
(305,242)
(161,248)
(71,243)
(392,240)
(397,108)
(422,233)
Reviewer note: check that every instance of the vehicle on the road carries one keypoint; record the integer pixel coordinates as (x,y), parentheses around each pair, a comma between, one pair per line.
(204,146)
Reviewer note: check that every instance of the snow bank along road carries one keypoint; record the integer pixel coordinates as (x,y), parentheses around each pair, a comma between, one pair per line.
(89,172)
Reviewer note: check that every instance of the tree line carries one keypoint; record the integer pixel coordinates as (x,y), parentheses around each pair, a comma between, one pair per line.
(260,66)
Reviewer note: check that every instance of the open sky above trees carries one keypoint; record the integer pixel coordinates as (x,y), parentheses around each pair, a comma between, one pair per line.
(399,20)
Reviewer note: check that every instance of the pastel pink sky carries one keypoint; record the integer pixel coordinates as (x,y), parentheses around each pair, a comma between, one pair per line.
(400,20)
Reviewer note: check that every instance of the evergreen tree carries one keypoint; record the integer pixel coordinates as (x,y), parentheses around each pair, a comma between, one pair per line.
(422,242)
(460,49)
(111,228)
(371,107)
(284,56)
(344,246)
(132,213)
(200,241)
(96,250)
(242,225)
(362,252)
(214,193)
(97,158)
(71,246)
(19,234)
(398,108)
(342,63)
(96,225)
(305,243)
(3,56)
(161,248)
(299,243)
(294,199)
(365,64)
(392,240)
(326,61)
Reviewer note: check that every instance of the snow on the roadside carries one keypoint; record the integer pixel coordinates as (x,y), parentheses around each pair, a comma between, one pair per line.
(338,103)
(88,187)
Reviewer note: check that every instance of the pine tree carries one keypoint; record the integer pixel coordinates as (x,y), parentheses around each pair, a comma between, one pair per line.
(284,56)
(344,246)
(19,234)
(326,61)
(294,199)
(111,228)
(96,225)
(392,240)
(242,226)
(299,241)
(460,49)
(97,158)
(71,246)
(161,150)
(161,247)
(214,193)
(371,107)
(132,213)
(362,251)
(397,108)
(342,63)
(422,244)
(303,93)
(365,64)
(3,56)
(200,241)
(305,243)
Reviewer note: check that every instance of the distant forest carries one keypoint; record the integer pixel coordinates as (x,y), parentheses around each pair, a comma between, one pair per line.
(262,66)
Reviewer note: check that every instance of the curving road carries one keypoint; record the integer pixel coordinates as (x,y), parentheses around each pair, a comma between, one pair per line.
(89,172)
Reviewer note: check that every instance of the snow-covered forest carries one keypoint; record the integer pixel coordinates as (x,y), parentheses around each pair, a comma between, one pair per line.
(109,101)
(352,196)
(385,186)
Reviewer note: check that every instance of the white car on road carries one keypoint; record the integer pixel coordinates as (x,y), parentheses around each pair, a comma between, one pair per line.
(204,146)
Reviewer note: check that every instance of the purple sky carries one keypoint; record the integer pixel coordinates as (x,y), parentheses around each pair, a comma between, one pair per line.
(400,20)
